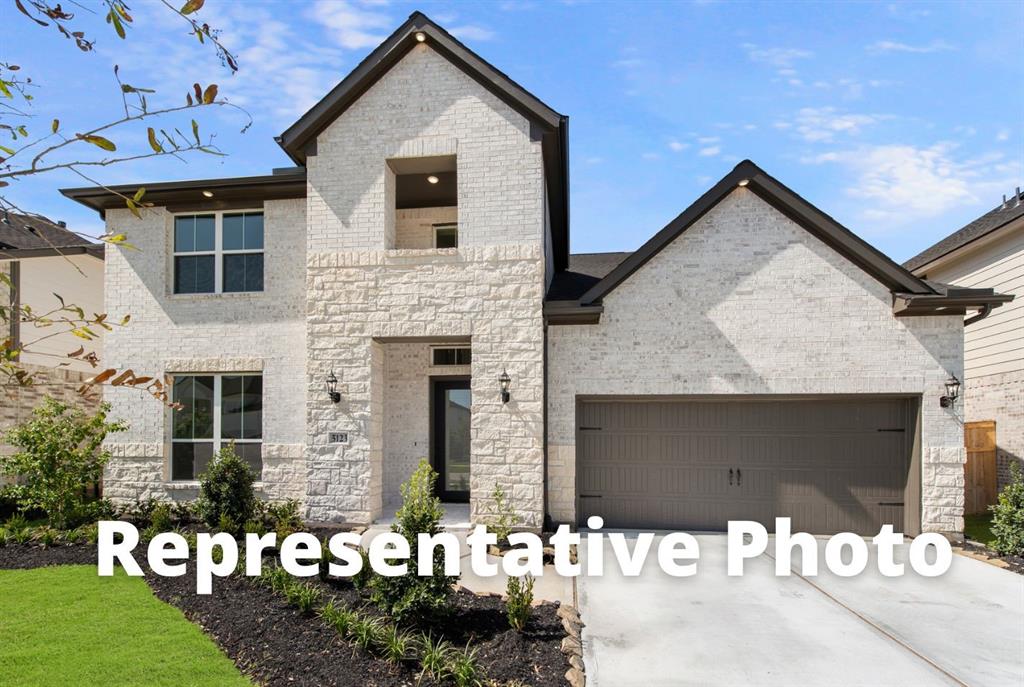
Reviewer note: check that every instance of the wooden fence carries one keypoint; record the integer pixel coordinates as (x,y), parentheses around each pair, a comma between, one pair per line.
(980,470)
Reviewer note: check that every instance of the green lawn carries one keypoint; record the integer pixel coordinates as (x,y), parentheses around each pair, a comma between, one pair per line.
(978,528)
(67,626)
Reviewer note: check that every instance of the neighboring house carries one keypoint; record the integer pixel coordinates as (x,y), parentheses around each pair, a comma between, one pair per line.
(989,252)
(336,319)
(43,258)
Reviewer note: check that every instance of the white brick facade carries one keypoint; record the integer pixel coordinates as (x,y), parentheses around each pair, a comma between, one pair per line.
(747,302)
(205,333)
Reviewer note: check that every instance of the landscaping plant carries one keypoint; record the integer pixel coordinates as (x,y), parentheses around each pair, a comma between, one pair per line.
(503,517)
(1008,516)
(58,457)
(434,657)
(225,491)
(463,668)
(411,596)
(519,603)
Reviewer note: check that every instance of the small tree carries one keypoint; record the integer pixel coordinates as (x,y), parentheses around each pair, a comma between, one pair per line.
(410,596)
(226,498)
(1008,516)
(503,516)
(519,601)
(60,456)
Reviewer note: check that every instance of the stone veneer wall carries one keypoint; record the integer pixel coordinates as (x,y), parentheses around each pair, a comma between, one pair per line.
(363,297)
(747,302)
(206,333)
(1000,397)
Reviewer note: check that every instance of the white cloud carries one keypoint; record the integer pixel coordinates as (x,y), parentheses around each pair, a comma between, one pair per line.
(651,156)
(710,151)
(899,183)
(472,32)
(894,46)
(353,26)
(780,58)
(705,140)
(676,146)
(824,123)
(593,160)
(629,63)
(1003,135)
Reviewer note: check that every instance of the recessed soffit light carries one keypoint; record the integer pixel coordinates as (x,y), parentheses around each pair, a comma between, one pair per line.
(433,179)
(420,36)
(208,194)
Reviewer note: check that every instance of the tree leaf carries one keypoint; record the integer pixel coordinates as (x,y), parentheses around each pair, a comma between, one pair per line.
(25,12)
(198,91)
(113,18)
(7,150)
(211,151)
(142,190)
(3,89)
(188,99)
(125,319)
(122,378)
(195,132)
(54,126)
(210,94)
(98,141)
(75,354)
(153,143)
(102,376)
(192,6)
(133,208)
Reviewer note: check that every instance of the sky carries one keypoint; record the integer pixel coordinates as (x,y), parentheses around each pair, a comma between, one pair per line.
(903,121)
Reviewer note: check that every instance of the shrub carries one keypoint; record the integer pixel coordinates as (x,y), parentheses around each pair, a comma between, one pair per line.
(1008,516)
(46,536)
(434,657)
(519,603)
(410,596)
(225,490)
(503,517)
(302,595)
(283,517)
(397,645)
(367,633)
(161,519)
(59,457)
(463,668)
(325,560)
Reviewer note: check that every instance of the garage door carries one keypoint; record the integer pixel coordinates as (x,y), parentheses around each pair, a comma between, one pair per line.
(830,464)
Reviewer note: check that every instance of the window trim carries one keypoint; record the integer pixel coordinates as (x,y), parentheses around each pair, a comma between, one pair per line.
(218,251)
(444,225)
(449,347)
(218,441)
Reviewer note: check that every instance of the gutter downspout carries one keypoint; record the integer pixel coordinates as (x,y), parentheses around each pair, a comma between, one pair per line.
(545,522)
(982,314)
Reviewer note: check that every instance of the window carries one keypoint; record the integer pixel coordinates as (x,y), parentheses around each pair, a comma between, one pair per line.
(446,236)
(216,410)
(218,253)
(451,356)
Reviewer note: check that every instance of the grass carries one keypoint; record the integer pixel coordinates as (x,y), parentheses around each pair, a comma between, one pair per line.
(67,626)
(979,528)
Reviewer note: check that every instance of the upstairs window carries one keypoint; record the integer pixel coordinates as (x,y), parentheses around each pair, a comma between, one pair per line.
(446,236)
(215,411)
(218,252)
(441,356)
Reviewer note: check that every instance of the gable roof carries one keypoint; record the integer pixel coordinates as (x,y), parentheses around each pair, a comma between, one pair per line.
(25,236)
(747,174)
(299,140)
(979,228)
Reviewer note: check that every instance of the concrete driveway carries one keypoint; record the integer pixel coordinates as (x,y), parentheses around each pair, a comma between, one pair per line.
(963,628)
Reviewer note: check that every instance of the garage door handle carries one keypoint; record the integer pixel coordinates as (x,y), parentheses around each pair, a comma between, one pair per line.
(730,477)
(890,503)
(590,496)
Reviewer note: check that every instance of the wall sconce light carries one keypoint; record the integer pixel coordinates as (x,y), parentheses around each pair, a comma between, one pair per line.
(505,381)
(952,392)
(332,388)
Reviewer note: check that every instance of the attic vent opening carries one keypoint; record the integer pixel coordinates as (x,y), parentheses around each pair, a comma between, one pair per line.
(450,355)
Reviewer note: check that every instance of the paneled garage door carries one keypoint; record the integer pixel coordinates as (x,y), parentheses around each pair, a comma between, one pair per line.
(831,464)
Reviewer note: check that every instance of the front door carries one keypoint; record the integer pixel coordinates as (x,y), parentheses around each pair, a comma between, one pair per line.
(451,410)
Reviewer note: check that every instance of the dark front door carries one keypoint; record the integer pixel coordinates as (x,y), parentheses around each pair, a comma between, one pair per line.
(451,410)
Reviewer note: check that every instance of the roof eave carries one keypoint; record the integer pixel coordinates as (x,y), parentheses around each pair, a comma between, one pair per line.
(955,302)
(571,312)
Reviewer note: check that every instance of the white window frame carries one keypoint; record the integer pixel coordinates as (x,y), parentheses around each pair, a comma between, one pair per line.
(218,252)
(218,441)
(444,225)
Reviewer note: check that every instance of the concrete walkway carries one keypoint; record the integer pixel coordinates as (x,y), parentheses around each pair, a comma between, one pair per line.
(963,628)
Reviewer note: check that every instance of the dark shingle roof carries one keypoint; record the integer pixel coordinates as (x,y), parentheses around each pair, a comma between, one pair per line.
(986,224)
(585,270)
(34,231)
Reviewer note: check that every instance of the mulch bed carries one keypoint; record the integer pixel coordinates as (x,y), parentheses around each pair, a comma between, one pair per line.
(275,644)
(1013,563)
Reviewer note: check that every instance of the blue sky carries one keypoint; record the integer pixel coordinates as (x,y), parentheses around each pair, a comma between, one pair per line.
(903,121)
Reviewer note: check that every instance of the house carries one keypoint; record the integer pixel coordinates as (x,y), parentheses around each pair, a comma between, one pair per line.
(42,258)
(343,318)
(989,252)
